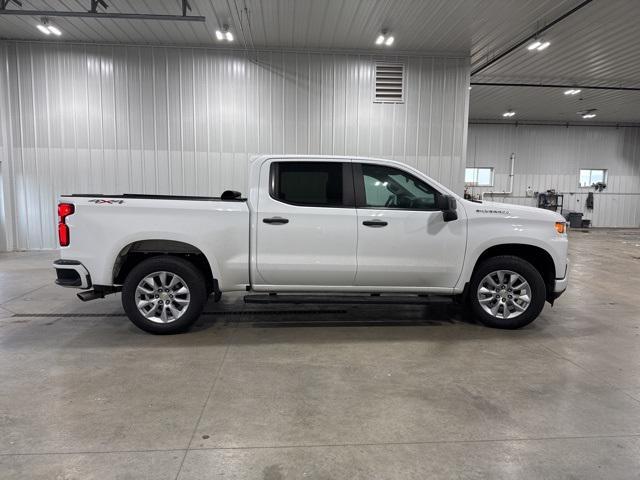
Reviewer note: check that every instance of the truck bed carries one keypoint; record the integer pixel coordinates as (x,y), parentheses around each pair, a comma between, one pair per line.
(102,227)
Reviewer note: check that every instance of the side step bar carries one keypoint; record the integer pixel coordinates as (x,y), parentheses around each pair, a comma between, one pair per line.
(347,299)
(98,292)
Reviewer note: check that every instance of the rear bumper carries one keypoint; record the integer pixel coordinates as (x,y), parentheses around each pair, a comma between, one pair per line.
(71,274)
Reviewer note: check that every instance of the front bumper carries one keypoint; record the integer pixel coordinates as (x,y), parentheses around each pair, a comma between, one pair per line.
(72,274)
(560,285)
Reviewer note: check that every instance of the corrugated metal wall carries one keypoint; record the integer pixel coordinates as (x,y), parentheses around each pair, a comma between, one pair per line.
(550,157)
(112,119)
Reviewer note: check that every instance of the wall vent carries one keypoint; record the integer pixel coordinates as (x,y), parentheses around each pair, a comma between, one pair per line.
(389,83)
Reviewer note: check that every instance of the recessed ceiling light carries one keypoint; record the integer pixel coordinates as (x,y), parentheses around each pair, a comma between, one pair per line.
(43,29)
(509,114)
(573,91)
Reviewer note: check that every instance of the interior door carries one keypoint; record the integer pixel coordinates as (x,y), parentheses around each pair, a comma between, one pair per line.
(306,225)
(403,240)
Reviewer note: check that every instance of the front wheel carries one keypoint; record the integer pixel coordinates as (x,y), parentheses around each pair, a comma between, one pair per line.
(164,295)
(506,292)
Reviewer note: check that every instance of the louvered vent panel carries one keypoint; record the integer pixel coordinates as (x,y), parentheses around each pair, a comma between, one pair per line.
(389,83)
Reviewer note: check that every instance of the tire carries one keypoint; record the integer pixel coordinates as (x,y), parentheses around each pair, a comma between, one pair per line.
(181,308)
(491,285)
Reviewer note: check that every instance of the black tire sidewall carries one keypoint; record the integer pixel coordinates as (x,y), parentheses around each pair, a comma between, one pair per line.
(520,266)
(183,268)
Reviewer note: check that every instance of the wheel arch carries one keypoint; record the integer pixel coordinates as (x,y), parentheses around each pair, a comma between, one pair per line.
(536,256)
(134,252)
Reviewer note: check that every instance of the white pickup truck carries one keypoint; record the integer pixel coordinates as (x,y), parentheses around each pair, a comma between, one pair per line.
(312,225)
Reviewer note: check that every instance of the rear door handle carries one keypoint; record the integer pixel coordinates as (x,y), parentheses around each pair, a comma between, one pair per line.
(276,220)
(374,223)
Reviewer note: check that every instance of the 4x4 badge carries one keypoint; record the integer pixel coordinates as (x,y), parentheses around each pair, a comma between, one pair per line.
(100,201)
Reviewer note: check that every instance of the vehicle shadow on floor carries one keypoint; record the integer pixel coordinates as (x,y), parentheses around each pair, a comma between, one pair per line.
(340,316)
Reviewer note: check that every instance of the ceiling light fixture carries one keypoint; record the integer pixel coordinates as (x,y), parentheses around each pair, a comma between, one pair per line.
(384,38)
(543,46)
(535,44)
(587,114)
(509,114)
(573,91)
(47,28)
(224,34)
(538,44)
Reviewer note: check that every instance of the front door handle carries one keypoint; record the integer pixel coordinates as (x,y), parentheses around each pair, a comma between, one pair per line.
(375,223)
(276,220)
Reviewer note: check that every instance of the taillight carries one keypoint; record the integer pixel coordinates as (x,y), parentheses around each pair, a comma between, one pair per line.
(64,210)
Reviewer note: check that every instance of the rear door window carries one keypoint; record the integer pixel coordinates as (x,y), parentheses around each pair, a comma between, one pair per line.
(312,184)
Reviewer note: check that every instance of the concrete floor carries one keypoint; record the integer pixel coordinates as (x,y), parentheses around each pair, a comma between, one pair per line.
(324,393)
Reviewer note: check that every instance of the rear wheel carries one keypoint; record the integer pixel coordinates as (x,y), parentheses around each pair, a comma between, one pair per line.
(164,295)
(506,292)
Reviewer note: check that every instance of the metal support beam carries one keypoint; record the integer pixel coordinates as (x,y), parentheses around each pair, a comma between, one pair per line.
(102,16)
(4,3)
(550,85)
(530,37)
(96,3)
(185,7)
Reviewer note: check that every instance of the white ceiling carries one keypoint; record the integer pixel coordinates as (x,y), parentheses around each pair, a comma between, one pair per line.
(457,26)
(598,45)
(489,103)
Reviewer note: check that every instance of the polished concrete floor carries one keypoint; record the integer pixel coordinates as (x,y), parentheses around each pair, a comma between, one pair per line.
(332,392)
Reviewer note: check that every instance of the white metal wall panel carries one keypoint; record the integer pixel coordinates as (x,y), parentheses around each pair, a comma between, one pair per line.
(113,119)
(550,157)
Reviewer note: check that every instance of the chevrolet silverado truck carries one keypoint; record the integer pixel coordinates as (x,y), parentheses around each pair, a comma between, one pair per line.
(316,226)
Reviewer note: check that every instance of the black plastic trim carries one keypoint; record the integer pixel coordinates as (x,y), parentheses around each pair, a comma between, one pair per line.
(141,196)
(63,261)
(68,277)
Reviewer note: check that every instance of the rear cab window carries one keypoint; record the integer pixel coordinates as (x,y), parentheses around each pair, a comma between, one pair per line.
(312,184)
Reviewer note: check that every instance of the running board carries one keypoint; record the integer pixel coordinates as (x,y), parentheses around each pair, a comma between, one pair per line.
(347,299)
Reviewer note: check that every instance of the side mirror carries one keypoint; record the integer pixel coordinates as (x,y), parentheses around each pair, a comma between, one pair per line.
(447,204)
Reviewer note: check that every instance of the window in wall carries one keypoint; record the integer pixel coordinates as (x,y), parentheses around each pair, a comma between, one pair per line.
(478,177)
(318,184)
(589,176)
